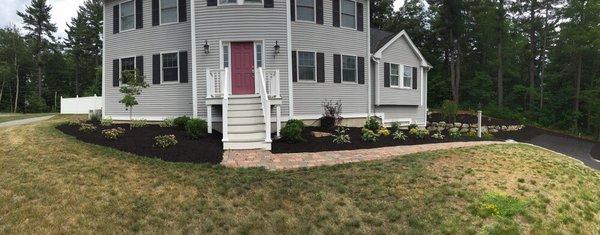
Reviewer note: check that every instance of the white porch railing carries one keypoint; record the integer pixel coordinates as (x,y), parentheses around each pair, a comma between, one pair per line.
(271,77)
(217,81)
(266,105)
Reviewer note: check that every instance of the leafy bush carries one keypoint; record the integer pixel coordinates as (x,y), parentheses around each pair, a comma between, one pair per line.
(196,128)
(383,131)
(419,133)
(74,122)
(399,135)
(369,135)
(87,128)
(438,136)
(472,134)
(413,126)
(169,122)
(95,117)
(106,122)
(165,141)
(341,136)
(139,123)
(114,133)
(372,124)
(487,136)
(395,127)
(331,114)
(180,122)
(449,110)
(292,131)
(454,134)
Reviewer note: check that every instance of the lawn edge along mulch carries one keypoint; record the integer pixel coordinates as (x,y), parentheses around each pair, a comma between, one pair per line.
(140,141)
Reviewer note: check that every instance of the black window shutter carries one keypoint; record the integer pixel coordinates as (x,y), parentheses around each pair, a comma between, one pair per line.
(359,17)
(319,4)
(336,13)
(116,73)
(139,14)
(292,10)
(183,67)
(320,67)
(211,3)
(414,78)
(116,19)
(155,12)
(361,70)
(294,66)
(337,68)
(156,69)
(386,75)
(139,66)
(183,10)
(269,4)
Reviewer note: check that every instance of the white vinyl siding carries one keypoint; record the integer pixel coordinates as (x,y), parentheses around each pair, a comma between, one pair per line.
(408,74)
(170,67)
(394,75)
(127,15)
(348,14)
(307,66)
(305,10)
(349,69)
(168,11)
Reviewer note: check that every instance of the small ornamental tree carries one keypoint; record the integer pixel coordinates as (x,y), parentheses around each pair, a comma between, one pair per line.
(133,85)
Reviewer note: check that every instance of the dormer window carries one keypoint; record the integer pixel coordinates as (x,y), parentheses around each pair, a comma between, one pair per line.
(168,11)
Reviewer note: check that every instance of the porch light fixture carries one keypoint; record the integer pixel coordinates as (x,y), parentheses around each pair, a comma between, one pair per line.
(276,47)
(206,47)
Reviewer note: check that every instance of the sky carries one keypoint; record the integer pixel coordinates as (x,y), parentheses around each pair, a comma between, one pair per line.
(62,12)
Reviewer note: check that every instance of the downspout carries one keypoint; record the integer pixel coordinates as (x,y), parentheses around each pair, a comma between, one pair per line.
(289,52)
(194,65)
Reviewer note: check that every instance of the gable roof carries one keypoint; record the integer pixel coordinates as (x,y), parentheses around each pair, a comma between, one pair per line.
(381,40)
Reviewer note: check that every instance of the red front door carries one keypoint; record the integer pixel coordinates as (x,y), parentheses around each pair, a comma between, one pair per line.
(242,68)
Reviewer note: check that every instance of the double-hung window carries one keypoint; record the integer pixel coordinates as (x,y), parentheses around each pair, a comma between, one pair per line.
(127,68)
(349,69)
(170,67)
(394,75)
(348,14)
(307,66)
(168,11)
(239,2)
(127,16)
(305,10)
(407,77)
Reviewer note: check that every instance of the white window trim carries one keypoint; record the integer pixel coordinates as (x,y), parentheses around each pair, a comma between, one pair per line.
(355,69)
(222,54)
(121,17)
(355,16)
(121,66)
(400,75)
(298,67)
(314,12)
(239,2)
(160,14)
(410,79)
(162,81)
(254,41)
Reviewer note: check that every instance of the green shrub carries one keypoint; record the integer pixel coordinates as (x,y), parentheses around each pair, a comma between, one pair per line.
(372,124)
(413,126)
(114,133)
(438,136)
(87,128)
(399,135)
(487,136)
(341,136)
(454,134)
(74,122)
(292,131)
(139,123)
(106,122)
(165,141)
(369,135)
(196,128)
(95,117)
(419,133)
(449,110)
(383,131)
(395,127)
(472,134)
(180,122)
(169,122)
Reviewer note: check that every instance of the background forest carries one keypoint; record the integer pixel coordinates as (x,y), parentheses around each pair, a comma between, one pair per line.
(533,60)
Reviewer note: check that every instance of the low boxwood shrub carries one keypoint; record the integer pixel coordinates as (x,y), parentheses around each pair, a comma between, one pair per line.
(196,128)
(369,135)
(106,122)
(372,124)
(139,123)
(341,136)
(87,128)
(169,122)
(399,135)
(113,133)
(180,122)
(165,141)
(292,131)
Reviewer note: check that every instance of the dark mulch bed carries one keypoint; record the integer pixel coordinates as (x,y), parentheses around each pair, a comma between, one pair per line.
(140,141)
(319,144)
(472,119)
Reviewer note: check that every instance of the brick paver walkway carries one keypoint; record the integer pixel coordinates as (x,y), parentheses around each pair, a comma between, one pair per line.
(286,161)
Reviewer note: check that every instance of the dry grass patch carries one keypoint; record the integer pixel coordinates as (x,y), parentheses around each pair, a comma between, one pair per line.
(53,183)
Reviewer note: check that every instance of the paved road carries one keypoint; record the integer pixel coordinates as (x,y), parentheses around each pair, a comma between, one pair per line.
(25,121)
(575,148)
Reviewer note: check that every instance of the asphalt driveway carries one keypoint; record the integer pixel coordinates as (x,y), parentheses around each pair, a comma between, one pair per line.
(576,148)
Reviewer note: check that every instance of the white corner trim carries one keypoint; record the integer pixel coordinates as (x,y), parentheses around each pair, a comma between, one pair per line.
(424,62)
(104,60)
(369,67)
(289,67)
(194,60)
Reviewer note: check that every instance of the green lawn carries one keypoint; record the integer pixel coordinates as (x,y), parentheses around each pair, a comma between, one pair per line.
(53,183)
(6,117)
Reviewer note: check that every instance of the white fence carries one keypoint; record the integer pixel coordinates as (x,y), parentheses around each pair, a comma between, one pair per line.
(80,105)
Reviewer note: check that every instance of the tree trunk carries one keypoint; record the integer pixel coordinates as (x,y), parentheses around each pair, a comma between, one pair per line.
(457,76)
(577,85)
(2,89)
(17,85)
(500,31)
(532,56)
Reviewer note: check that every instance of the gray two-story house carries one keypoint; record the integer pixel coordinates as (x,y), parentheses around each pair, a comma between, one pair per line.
(246,66)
